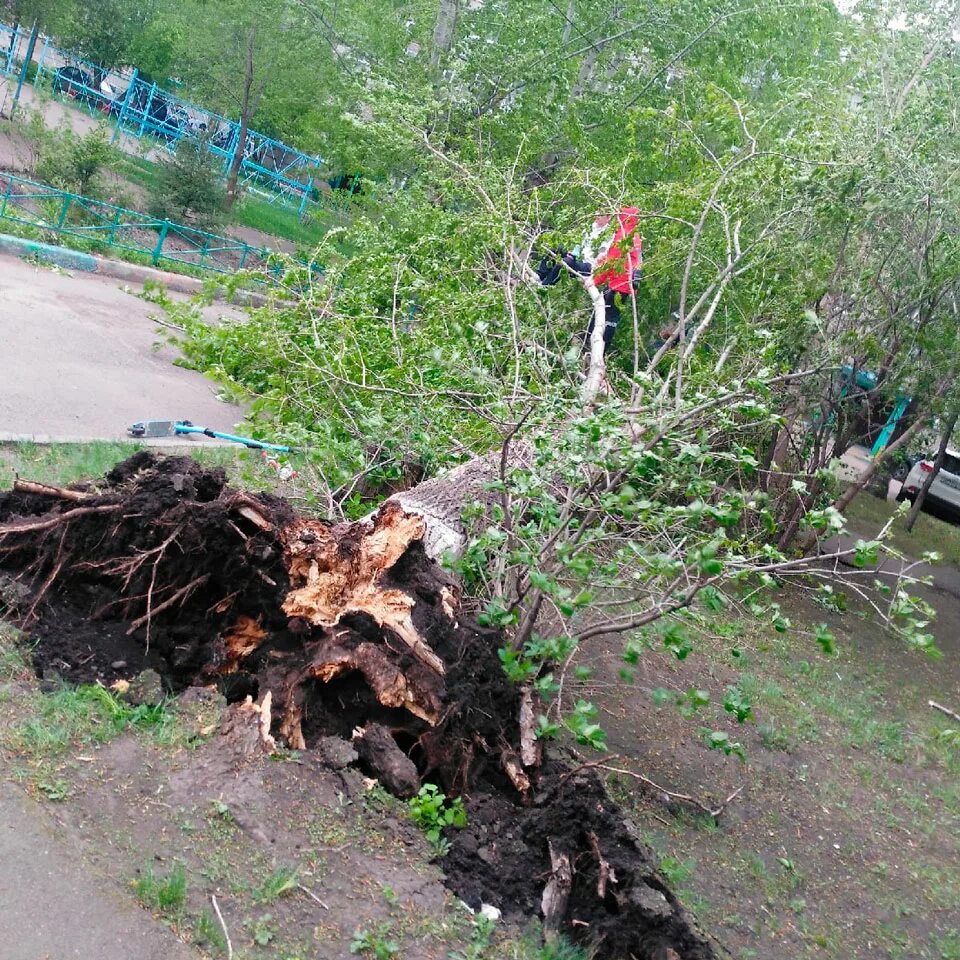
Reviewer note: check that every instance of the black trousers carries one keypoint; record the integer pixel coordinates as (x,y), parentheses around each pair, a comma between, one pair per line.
(611,319)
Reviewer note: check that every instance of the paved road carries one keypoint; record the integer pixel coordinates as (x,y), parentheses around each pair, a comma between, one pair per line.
(77,360)
(52,907)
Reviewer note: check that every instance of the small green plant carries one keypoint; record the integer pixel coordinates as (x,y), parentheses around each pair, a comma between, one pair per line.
(207,932)
(54,790)
(263,930)
(163,894)
(75,163)
(221,810)
(560,948)
(188,187)
(281,882)
(375,942)
(480,934)
(389,894)
(433,813)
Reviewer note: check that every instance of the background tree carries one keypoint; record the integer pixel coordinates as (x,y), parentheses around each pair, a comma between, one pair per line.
(244,55)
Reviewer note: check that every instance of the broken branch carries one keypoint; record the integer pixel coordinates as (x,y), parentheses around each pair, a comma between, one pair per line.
(557,891)
(45,490)
(606,874)
(223,926)
(34,526)
(312,896)
(714,812)
(939,706)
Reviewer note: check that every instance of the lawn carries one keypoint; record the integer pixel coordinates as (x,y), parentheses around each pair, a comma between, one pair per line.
(868,514)
(273,219)
(843,841)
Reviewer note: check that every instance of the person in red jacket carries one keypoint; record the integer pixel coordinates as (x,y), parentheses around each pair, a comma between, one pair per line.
(613,254)
(616,266)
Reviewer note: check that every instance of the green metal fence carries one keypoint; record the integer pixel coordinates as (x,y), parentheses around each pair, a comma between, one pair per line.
(106,227)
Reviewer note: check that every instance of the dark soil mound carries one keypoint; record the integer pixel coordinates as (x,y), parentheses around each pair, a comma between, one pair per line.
(346,626)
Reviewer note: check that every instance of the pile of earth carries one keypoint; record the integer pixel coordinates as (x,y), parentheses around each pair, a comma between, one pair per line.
(338,630)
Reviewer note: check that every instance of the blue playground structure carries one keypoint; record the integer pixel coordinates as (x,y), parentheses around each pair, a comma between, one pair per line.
(866,381)
(144,111)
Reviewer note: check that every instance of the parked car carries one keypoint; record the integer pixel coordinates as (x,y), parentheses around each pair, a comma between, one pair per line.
(82,86)
(75,83)
(944,492)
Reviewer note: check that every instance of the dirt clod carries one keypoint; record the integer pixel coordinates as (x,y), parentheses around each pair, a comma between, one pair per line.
(379,752)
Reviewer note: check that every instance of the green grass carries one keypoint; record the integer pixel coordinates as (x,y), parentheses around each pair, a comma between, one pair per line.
(14,654)
(80,716)
(65,463)
(274,219)
(163,894)
(138,171)
(281,882)
(284,222)
(867,514)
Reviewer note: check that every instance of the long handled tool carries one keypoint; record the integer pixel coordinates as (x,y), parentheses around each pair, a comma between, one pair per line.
(144,429)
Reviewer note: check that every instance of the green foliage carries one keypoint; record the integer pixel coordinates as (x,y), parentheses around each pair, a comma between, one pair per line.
(282,881)
(263,929)
(738,703)
(771,174)
(72,162)
(164,894)
(375,942)
(718,740)
(433,813)
(581,722)
(188,188)
(481,933)
(825,639)
(84,714)
(560,948)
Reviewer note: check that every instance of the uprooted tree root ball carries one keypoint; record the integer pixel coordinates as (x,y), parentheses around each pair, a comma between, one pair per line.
(345,630)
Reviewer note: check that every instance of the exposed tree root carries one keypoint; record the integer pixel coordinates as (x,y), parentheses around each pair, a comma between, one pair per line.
(316,630)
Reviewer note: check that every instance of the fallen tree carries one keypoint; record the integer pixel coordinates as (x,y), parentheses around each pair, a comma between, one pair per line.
(346,630)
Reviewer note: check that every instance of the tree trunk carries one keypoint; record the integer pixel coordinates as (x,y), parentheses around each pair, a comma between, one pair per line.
(932,475)
(245,111)
(444,31)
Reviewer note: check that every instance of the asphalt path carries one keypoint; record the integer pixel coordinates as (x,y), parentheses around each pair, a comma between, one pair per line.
(54,907)
(79,360)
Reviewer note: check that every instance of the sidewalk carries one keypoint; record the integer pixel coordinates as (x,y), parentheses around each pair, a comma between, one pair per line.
(52,905)
(79,360)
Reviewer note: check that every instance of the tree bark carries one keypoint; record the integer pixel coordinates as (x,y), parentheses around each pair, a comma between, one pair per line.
(932,475)
(245,112)
(444,31)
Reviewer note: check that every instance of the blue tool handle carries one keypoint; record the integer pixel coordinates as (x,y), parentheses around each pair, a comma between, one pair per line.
(246,441)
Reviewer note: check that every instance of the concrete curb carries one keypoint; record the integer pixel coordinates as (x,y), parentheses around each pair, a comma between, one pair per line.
(136,273)
(60,256)
(118,270)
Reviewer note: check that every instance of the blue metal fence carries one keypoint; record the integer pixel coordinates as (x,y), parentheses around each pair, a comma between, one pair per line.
(107,226)
(143,110)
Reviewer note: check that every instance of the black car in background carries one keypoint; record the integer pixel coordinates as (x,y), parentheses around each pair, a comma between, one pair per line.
(76,84)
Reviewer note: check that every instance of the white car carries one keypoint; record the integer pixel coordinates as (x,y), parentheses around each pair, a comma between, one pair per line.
(944,492)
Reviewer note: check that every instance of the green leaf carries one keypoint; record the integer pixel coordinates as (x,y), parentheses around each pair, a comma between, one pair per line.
(825,639)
